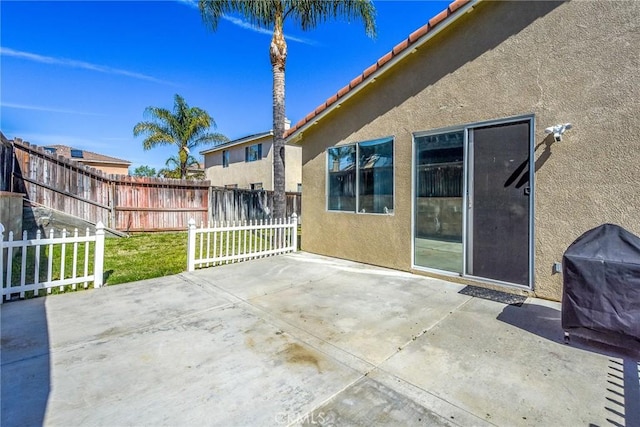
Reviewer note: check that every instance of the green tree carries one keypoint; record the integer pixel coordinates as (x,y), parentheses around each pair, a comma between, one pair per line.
(173,170)
(144,170)
(185,127)
(271,15)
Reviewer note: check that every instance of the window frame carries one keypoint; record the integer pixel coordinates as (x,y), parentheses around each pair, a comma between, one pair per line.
(225,158)
(391,139)
(247,151)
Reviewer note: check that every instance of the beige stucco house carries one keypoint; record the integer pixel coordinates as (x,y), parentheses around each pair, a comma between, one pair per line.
(248,163)
(106,164)
(439,159)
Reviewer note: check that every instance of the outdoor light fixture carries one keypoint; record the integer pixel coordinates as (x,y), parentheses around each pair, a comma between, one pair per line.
(558,130)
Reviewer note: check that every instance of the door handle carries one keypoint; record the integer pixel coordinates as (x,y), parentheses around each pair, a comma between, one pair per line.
(527,191)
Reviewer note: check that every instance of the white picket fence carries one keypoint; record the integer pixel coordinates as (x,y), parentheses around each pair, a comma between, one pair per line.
(33,254)
(229,242)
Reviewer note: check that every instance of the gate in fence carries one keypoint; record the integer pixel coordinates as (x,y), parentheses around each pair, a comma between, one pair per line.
(42,264)
(229,242)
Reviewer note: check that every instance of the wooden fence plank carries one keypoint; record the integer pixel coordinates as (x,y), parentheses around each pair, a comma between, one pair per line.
(127,203)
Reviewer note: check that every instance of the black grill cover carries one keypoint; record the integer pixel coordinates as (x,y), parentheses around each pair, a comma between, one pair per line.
(601,274)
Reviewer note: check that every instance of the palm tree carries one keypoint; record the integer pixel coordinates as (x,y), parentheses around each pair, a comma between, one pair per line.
(271,14)
(186,127)
(173,168)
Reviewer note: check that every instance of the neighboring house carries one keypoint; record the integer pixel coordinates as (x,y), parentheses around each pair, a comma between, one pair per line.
(437,161)
(106,164)
(196,171)
(248,163)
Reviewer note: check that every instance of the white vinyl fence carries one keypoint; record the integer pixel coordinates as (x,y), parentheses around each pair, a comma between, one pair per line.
(229,242)
(28,265)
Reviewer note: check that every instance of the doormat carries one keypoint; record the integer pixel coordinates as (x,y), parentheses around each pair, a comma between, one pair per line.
(491,295)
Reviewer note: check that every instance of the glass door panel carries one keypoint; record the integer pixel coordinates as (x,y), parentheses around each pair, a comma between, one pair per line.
(439,184)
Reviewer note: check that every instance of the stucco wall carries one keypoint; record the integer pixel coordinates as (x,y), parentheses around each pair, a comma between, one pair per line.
(293,167)
(244,174)
(575,62)
(240,172)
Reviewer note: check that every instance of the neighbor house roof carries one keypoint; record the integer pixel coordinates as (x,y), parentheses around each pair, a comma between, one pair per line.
(238,141)
(382,65)
(84,156)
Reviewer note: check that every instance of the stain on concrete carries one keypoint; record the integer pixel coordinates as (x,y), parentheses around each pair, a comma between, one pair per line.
(299,355)
(250,342)
(111,332)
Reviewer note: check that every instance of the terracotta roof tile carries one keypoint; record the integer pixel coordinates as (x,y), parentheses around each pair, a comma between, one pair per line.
(332,99)
(386,58)
(438,18)
(457,5)
(418,33)
(400,46)
(380,63)
(372,69)
(342,92)
(310,116)
(297,125)
(355,82)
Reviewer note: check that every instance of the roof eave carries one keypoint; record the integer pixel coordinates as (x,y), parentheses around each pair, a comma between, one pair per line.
(295,136)
(102,162)
(239,141)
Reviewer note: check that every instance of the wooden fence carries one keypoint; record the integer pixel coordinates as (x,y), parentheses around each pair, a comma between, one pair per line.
(247,205)
(121,202)
(126,203)
(153,204)
(6,163)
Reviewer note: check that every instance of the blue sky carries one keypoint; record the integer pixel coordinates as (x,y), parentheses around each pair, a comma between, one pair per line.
(81,73)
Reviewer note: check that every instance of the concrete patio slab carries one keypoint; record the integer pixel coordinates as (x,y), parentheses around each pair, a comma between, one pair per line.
(302,339)
(509,365)
(350,313)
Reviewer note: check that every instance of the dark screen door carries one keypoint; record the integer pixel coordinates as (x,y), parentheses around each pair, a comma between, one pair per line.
(498,220)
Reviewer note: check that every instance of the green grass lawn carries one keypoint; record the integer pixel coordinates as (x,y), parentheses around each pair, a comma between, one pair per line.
(127,259)
(144,256)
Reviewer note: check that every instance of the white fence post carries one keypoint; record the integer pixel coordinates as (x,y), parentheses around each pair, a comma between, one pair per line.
(294,231)
(191,246)
(98,265)
(2,263)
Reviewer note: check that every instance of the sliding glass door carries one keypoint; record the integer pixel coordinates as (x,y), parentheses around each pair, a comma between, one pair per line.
(472,204)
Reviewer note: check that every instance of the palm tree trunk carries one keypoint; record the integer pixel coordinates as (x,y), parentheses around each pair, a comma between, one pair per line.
(278,54)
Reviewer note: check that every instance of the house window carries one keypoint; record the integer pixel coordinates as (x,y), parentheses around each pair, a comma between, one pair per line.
(231,186)
(225,159)
(256,186)
(361,177)
(342,178)
(299,188)
(253,153)
(77,154)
